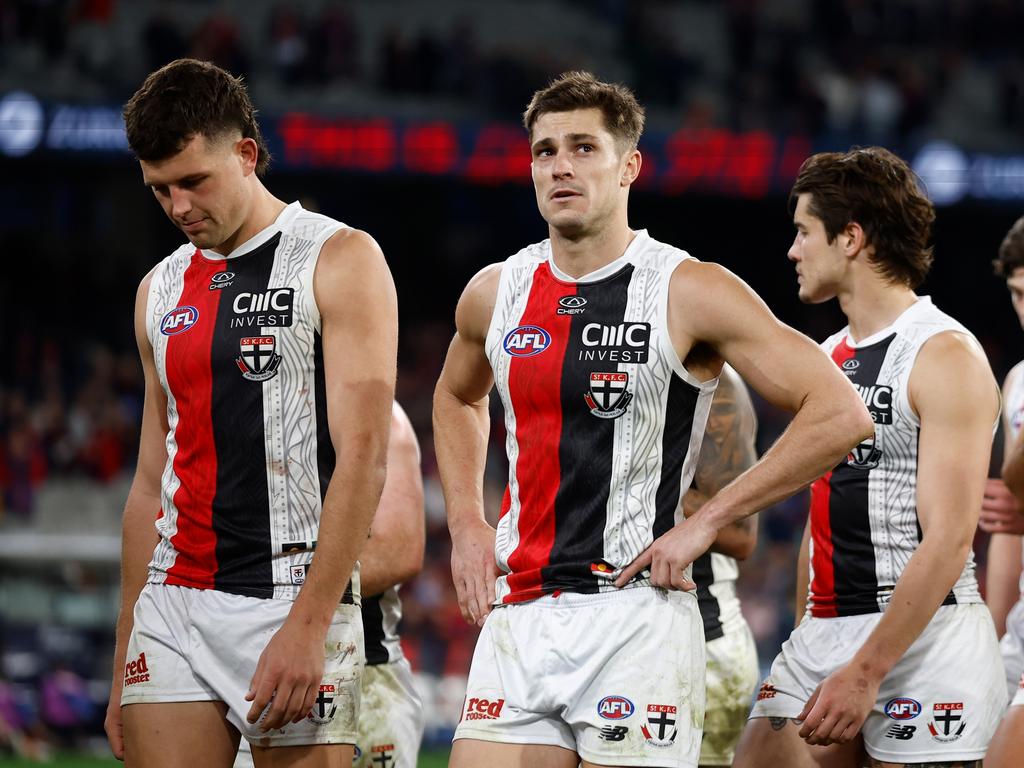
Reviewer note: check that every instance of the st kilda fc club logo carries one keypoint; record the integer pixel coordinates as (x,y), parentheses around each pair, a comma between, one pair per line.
(608,397)
(324,707)
(258,360)
(865,455)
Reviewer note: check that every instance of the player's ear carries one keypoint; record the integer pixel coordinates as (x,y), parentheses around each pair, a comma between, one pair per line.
(248,152)
(631,168)
(855,238)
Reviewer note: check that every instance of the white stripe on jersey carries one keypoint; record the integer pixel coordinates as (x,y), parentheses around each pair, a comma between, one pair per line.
(165,289)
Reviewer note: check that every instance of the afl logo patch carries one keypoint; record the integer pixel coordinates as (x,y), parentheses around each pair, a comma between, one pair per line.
(615,708)
(902,708)
(526,341)
(179,320)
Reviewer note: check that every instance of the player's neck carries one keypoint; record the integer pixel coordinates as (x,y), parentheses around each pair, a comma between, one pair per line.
(580,256)
(873,304)
(265,208)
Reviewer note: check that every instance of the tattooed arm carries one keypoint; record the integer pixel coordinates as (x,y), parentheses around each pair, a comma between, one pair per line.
(726,453)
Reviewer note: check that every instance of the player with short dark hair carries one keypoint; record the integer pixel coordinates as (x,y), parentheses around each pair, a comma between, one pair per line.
(896,654)
(605,346)
(269,344)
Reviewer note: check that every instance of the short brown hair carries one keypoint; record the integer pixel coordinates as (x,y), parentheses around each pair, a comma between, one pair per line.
(623,115)
(186,98)
(1011,252)
(879,191)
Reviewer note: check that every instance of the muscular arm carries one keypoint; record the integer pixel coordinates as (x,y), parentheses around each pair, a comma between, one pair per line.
(726,452)
(138,533)
(711,308)
(1001,518)
(461,426)
(955,396)
(803,574)
(394,551)
(359,328)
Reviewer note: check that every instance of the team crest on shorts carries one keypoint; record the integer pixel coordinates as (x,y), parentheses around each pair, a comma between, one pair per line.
(608,397)
(659,726)
(258,360)
(324,707)
(383,755)
(947,723)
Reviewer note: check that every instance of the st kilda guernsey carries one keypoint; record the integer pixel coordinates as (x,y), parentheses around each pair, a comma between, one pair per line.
(864,518)
(603,422)
(237,346)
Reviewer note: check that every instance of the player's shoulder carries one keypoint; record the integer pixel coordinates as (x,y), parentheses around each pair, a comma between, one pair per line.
(176,261)
(1014,377)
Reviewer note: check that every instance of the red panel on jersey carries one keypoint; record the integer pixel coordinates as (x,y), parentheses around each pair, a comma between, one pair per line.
(538,468)
(195,463)
(823,587)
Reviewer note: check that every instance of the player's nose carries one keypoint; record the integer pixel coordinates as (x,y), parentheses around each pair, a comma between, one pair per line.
(181,203)
(562,166)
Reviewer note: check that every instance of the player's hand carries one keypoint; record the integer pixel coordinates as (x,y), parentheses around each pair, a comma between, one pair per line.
(288,676)
(838,707)
(474,570)
(671,553)
(113,724)
(1000,510)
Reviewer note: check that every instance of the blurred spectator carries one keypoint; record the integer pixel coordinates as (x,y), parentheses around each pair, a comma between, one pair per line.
(218,40)
(162,39)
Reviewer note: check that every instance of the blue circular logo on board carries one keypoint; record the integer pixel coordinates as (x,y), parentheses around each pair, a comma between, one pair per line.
(526,341)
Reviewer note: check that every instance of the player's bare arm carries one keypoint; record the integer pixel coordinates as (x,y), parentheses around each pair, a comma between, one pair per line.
(955,396)
(359,327)
(394,552)
(1003,518)
(803,575)
(138,533)
(714,316)
(461,426)
(1013,461)
(728,450)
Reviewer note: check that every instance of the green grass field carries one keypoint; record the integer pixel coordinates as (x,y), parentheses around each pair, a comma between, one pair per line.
(427,760)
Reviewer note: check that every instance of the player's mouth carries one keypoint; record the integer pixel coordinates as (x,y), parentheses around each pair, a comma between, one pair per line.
(192,226)
(564,194)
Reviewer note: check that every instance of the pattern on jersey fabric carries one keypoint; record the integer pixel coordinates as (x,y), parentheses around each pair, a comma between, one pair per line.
(864,520)
(249,450)
(710,612)
(602,428)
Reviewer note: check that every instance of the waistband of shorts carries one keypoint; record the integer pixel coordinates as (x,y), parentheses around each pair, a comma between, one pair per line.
(638,594)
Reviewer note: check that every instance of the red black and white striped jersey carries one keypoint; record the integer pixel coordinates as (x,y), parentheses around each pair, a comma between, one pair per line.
(603,422)
(237,347)
(864,520)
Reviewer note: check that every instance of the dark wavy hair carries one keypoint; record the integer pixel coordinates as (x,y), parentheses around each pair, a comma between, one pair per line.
(623,115)
(1011,251)
(186,98)
(876,189)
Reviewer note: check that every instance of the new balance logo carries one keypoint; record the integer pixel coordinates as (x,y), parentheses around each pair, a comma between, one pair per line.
(900,732)
(614,732)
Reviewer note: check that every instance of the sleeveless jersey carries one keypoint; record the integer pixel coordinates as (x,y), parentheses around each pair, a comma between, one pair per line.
(1014,410)
(381,614)
(864,523)
(715,575)
(237,347)
(603,422)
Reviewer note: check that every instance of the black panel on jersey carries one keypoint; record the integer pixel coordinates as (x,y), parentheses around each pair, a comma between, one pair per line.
(710,610)
(586,445)
(325,456)
(373,632)
(241,505)
(853,554)
(675,443)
